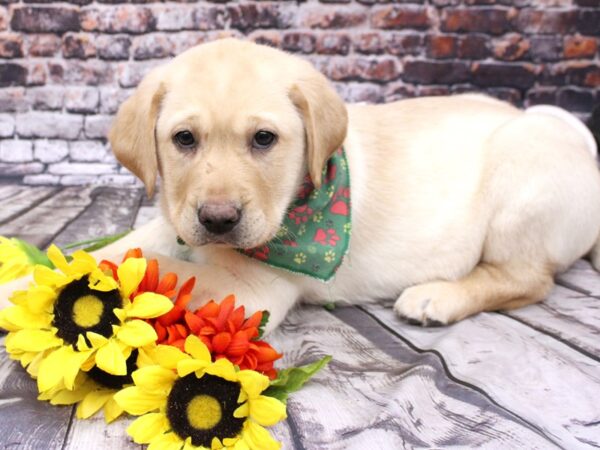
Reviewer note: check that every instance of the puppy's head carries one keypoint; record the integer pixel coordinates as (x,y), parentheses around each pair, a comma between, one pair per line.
(232,127)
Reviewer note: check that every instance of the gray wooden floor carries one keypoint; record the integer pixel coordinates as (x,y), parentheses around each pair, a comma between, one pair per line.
(524,379)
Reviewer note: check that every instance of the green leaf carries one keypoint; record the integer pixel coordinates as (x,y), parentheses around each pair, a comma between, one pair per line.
(34,254)
(97,243)
(263,323)
(292,379)
(329,306)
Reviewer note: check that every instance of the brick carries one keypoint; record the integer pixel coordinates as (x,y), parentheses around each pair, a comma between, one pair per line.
(400,17)
(111,98)
(11,45)
(151,46)
(119,180)
(253,16)
(473,46)
(211,18)
(96,127)
(590,3)
(581,74)
(576,99)
(546,21)
(36,74)
(333,44)
(433,91)
(66,168)
(80,46)
(113,47)
(510,95)
(7,125)
(43,19)
(174,17)
(185,40)
(43,44)
(16,151)
(118,19)
(49,125)
(588,21)
(435,72)
(485,20)
(370,43)
(266,37)
(298,42)
(361,92)
(88,151)
(580,46)
(404,44)
(20,169)
(12,99)
(545,48)
(50,151)
(362,69)
(91,72)
(333,18)
(42,179)
(3,18)
(130,74)
(82,100)
(12,74)
(441,46)
(399,91)
(77,180)
(541,96)
(506,75)
(511,47)
(47,98)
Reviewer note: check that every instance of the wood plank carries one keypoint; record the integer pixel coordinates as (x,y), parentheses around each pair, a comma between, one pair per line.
(582,277)
(22,200)
(569,316)
(40,224)
(27,423)
(380,393)
(94,433)
(536,376)
(111,211)
(145,215)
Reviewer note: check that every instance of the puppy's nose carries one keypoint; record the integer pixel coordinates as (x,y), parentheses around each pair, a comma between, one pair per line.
(219,218)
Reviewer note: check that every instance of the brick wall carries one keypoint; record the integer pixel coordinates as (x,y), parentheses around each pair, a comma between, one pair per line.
(66,66)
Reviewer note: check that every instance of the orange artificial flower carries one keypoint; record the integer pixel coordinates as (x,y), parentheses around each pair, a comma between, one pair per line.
(223,329)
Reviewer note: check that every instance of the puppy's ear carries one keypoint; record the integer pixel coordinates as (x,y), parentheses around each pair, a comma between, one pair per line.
(132,135)
(325,120)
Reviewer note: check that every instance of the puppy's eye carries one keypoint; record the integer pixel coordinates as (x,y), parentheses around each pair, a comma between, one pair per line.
(185,139)
(263,140)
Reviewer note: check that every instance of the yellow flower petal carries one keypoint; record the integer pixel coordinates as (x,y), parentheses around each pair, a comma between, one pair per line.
(253,383)
(110,358)
(67,397)
(32,341)
(50,372)
(74,361)
(258,438)
(20,317)
(242,411)
(93,402)
(187,366)
(97,340)
(100,282)
(154,378)
(195,347)
(58,259)
(145,428)
(266,411)
(34,366)
(137,333)
(149,305)
(40,298)
(241,445)
(223,368)
(167,441)
(138,401)
(83,262)
(167,356)
(45,276)
(131,272)
(112,410)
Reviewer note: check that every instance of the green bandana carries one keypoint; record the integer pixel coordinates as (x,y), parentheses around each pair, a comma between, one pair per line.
(315,233)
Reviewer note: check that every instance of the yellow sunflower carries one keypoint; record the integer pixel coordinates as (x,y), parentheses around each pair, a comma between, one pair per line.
(188,402)
(14,260)
(79,318)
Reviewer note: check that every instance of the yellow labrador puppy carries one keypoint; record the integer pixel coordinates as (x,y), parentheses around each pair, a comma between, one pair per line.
(459,204)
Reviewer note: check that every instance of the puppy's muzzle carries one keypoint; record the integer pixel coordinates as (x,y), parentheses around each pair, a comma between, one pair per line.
(219,218)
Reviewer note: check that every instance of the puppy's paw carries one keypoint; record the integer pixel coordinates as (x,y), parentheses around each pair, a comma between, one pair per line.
(432,304)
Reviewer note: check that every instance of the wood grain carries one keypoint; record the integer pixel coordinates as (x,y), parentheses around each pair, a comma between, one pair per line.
(16,200)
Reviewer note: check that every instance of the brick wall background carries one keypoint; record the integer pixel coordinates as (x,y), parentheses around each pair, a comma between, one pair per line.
(66,66)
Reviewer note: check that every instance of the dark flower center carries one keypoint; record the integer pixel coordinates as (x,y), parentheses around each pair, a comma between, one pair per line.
(79,309)
(202,409)
(115,381)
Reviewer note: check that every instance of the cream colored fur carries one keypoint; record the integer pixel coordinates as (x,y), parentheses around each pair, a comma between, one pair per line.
(460,204)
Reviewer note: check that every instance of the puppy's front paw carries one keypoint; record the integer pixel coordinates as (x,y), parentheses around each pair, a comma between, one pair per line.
(432,304)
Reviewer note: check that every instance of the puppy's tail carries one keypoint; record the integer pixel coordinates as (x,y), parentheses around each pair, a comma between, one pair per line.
(593,124)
